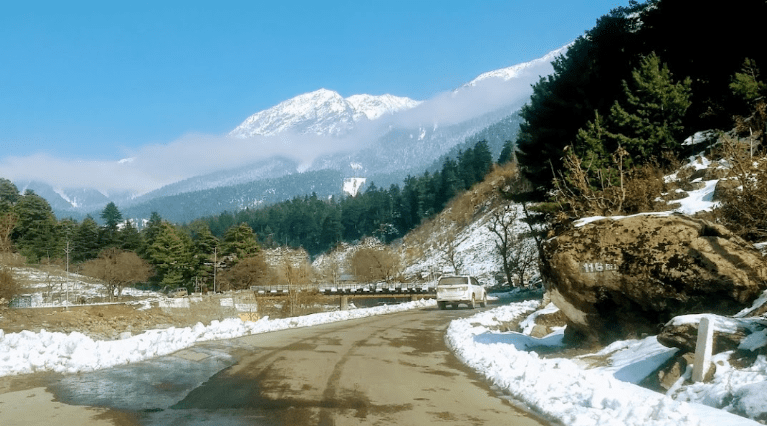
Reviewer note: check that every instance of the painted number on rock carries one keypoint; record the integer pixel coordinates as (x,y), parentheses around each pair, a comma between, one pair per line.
(599,267)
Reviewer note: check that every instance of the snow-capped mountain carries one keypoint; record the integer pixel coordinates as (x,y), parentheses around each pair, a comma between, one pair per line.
(399,136)
(374,107)
(322,112)
(518,70)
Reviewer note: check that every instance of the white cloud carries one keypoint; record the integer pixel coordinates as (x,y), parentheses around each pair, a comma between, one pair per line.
(153,166)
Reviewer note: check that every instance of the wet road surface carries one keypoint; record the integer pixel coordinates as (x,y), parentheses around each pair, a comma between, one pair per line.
(385,370)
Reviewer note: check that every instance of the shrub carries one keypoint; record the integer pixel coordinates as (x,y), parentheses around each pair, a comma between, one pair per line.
(12,260)
(584,190)
(643,187)
(9,287)
(743,206)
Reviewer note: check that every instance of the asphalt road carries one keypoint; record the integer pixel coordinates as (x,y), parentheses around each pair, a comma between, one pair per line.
(385,370)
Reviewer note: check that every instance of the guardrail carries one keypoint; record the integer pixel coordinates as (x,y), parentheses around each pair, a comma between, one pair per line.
(349,289)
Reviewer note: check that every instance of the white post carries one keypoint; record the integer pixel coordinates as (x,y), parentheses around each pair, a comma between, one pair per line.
(703,349)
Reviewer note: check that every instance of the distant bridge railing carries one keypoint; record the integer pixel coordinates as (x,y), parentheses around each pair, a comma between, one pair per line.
(348,289)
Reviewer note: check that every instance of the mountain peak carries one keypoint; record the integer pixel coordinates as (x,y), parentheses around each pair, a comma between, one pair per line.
(373,107)
(322,112)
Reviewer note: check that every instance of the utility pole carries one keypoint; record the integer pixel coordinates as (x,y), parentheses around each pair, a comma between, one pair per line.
(215,266)
(67,250)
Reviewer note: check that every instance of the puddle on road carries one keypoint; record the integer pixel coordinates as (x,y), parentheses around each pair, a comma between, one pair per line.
(189,387)
(149,386)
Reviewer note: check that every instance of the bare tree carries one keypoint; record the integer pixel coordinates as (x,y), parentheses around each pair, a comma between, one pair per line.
(7,223)
(53,279)
(448,245)
(331,270)
(518,253)
(249,271)
(117,269)
(297,272)
(375,263)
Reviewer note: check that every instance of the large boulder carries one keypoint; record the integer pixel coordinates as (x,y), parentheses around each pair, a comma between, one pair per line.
(617,278)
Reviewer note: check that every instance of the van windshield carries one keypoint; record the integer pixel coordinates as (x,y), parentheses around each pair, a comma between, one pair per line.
(453,280)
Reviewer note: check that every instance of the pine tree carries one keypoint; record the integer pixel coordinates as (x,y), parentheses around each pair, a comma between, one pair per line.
(240,241)
(747,85)
(111,216)
(594,144)
(651,120)
(85,241)
(170,255)
(449,182)
(332,229)
(205,250)
(507,153)
(673,30)
(482,161)
(34,234)
(150,232)
(66,230)
(128,238)
(586,78)
(9,195)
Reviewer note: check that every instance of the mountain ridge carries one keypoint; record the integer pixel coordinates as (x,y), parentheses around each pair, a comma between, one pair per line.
(381,136)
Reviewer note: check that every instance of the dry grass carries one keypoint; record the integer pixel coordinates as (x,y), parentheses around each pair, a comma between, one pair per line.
(12,260)
(643,189)
(463,209)
(583,190)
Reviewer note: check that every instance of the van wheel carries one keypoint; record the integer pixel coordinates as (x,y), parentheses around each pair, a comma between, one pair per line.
(472,304)
(483,303)
(441,305)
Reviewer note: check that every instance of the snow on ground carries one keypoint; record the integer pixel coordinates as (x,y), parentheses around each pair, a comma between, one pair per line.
(574,392)
(570,391)
(28,352)
(558,388)
(475,251)
(51,289)
(562,390)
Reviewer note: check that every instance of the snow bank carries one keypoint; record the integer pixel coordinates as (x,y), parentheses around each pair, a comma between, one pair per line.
(738,390)
(28,352)
(559,389)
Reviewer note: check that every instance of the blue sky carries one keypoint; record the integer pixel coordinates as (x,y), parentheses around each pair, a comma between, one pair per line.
(93,80)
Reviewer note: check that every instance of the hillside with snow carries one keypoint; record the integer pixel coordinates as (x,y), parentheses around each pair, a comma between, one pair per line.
(475,243)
